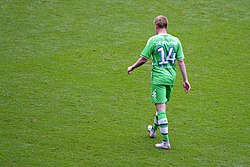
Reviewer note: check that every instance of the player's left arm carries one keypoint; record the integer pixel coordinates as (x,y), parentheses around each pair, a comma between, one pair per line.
(138,63)
(145,55)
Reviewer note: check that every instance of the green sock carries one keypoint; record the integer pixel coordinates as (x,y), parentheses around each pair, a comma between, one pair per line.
(155,125)
(163,123)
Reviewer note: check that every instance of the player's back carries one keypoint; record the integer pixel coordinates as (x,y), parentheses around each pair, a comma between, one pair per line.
(165,52)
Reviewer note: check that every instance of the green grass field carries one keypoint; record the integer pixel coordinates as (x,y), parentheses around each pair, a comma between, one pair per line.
(66,98)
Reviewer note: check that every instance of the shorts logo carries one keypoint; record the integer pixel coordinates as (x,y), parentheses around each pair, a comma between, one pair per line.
(154,94)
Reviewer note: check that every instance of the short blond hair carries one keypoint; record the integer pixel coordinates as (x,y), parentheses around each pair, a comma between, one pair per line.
(161,22)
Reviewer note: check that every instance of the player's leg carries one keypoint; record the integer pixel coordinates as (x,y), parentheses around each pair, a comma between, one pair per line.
(161,96)
(155,97)
(156,124)
(152,129)
(163,123)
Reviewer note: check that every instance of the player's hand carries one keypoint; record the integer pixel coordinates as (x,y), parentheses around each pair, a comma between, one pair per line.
(130,69)
(186,86)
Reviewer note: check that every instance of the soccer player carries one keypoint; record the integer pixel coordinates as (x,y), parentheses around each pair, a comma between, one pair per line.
(165,49)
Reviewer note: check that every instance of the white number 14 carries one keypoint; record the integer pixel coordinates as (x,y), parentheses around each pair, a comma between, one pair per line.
(170,57)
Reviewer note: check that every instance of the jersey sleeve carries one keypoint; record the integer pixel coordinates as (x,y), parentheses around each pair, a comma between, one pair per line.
(180,54)
(148,49)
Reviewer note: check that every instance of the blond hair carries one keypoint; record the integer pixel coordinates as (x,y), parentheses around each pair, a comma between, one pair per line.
(161,22)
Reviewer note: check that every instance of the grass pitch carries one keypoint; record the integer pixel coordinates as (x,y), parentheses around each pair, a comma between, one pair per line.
(66,98)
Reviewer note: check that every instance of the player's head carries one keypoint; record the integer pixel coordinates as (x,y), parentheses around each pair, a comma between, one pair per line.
(160,22)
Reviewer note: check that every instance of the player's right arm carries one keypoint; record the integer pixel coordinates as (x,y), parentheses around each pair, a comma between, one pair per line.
(180,58)
(186,84)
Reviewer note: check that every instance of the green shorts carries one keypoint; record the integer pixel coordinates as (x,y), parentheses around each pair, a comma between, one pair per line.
(161,93)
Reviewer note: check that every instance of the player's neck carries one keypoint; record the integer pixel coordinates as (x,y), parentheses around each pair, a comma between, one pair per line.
(162,31)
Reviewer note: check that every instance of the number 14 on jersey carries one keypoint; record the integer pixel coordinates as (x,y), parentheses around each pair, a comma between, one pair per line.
(166,57)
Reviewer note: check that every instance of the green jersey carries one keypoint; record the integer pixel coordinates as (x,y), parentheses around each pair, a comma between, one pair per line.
(165,49)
